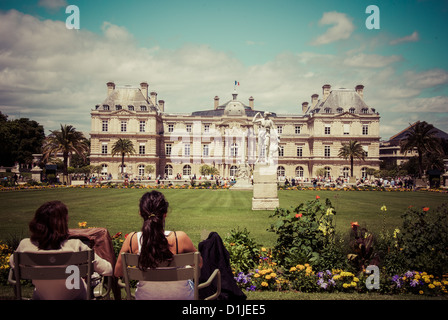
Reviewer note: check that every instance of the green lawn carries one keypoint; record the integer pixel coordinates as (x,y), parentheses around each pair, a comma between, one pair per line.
(196,210)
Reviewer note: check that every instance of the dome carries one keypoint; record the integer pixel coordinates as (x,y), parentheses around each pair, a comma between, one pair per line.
(234,108)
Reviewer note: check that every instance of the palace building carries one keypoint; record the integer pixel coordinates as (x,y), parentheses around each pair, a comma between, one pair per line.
(225,136)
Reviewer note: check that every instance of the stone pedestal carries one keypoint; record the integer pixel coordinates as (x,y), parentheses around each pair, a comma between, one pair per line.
(36,174)
(265,195)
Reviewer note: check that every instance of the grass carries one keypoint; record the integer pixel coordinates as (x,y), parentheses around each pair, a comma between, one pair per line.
(213,210)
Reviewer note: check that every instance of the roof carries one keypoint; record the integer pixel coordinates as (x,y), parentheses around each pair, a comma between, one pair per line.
(346,100)
(125,96)
(395,139)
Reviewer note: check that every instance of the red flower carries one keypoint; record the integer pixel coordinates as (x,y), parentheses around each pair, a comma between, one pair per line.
(354,224)
(425,209)
(298,215)
(317,197)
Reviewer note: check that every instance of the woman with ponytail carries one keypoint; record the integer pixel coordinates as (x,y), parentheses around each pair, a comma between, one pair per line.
(154,244)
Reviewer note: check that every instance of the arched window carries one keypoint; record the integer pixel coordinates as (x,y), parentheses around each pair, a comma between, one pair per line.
(186,170)
(104,169)
(345,172)
(280,171)
(141,170)
(351,110)
(233,171)
(169,170)
(124,168)
(299,172)
(364,173)
(339,110)
(327,172)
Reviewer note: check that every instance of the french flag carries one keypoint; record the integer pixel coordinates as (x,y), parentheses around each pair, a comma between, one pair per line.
(237,83)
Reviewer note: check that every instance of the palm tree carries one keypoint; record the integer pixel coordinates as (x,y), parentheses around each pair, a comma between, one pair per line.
(421,137)
(352,150)
(123,147)
(66,141)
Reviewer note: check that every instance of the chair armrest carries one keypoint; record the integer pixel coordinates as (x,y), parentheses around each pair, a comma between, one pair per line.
(11,279)
(216,274)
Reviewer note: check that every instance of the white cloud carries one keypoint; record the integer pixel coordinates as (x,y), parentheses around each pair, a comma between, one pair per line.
(411,38)
(427,79)
(363,60)
(52,4)
(342,28)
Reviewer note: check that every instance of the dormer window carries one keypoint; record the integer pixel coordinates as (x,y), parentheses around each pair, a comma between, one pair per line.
(351,110)
(106,107)
(327,110)
(364,111)
(143,108)
(117,107)
(131,108)
(339,110)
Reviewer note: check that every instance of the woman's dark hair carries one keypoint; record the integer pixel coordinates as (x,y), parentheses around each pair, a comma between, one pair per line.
(49,227)
(154,246)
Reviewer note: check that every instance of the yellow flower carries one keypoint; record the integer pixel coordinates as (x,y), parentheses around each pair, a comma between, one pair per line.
(82,224)
(263,249)
(273,275)
(293,269)
(256,275)
(264,284)
(383,208)
(268,277)
(420,292)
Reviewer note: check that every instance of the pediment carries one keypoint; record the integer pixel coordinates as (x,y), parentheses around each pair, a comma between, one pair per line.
(346,115)
(122,112)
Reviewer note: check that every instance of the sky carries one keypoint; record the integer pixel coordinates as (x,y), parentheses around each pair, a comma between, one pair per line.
(281,52)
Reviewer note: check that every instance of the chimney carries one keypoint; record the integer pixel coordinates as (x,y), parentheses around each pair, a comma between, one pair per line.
(162,105)
(251,103)
(144,89)
(326,91)
(110,87)
(216,102)
(304,107)
(314,99)
(154,98)
(360,90)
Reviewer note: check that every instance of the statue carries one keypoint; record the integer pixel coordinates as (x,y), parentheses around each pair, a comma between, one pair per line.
(267,138)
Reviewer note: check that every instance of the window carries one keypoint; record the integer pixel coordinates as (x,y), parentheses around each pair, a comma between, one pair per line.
(298,129)
(187,149)
(104,169)
(188,127)
(364,173)
(169,170)
(281,151)
(205,150)
(117,107)
(124,169)
(327,110)
(351,110)
(327,129)
(131,108)
(339,110)
(124,125)
(141,149)
(104,148)
(170,127)
(327,151)
(280,171)
(105,127)
(327,172)
(233,171)
(143,108)
(206,128)
(299,151)
(346,172)
(365,129)
(366,151)
(142,126)
(346,128)
(279,129)
(141,170)
(186,170)
(299,172)
(106,107)
(364,110)
(234,150)
(168,148)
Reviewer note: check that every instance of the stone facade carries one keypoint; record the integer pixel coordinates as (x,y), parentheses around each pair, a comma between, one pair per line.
(225,136)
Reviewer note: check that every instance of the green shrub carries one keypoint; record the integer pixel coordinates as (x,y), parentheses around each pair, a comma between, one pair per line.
(243,250)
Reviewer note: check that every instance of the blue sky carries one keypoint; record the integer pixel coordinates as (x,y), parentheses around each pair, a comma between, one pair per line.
(189,51)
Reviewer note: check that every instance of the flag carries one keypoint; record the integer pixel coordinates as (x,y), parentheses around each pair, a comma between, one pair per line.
(237,83)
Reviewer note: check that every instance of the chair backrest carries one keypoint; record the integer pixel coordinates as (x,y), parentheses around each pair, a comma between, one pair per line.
(183,266)
(52,266)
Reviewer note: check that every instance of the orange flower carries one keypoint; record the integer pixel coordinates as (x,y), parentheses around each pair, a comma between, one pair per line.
(354,224)
(425,209)
(298,215)
(317,197)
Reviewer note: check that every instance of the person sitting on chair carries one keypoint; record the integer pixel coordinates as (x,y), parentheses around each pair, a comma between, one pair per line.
(50,233)
(155,245)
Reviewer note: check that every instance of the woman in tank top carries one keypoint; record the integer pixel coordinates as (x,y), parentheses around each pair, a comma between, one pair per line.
(154,245)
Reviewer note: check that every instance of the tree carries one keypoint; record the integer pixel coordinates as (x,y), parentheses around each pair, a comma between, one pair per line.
(421,137)
(352,150)
(66,141)
(123,147)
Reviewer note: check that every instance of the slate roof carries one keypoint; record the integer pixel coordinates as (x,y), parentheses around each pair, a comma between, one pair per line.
(125,96)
